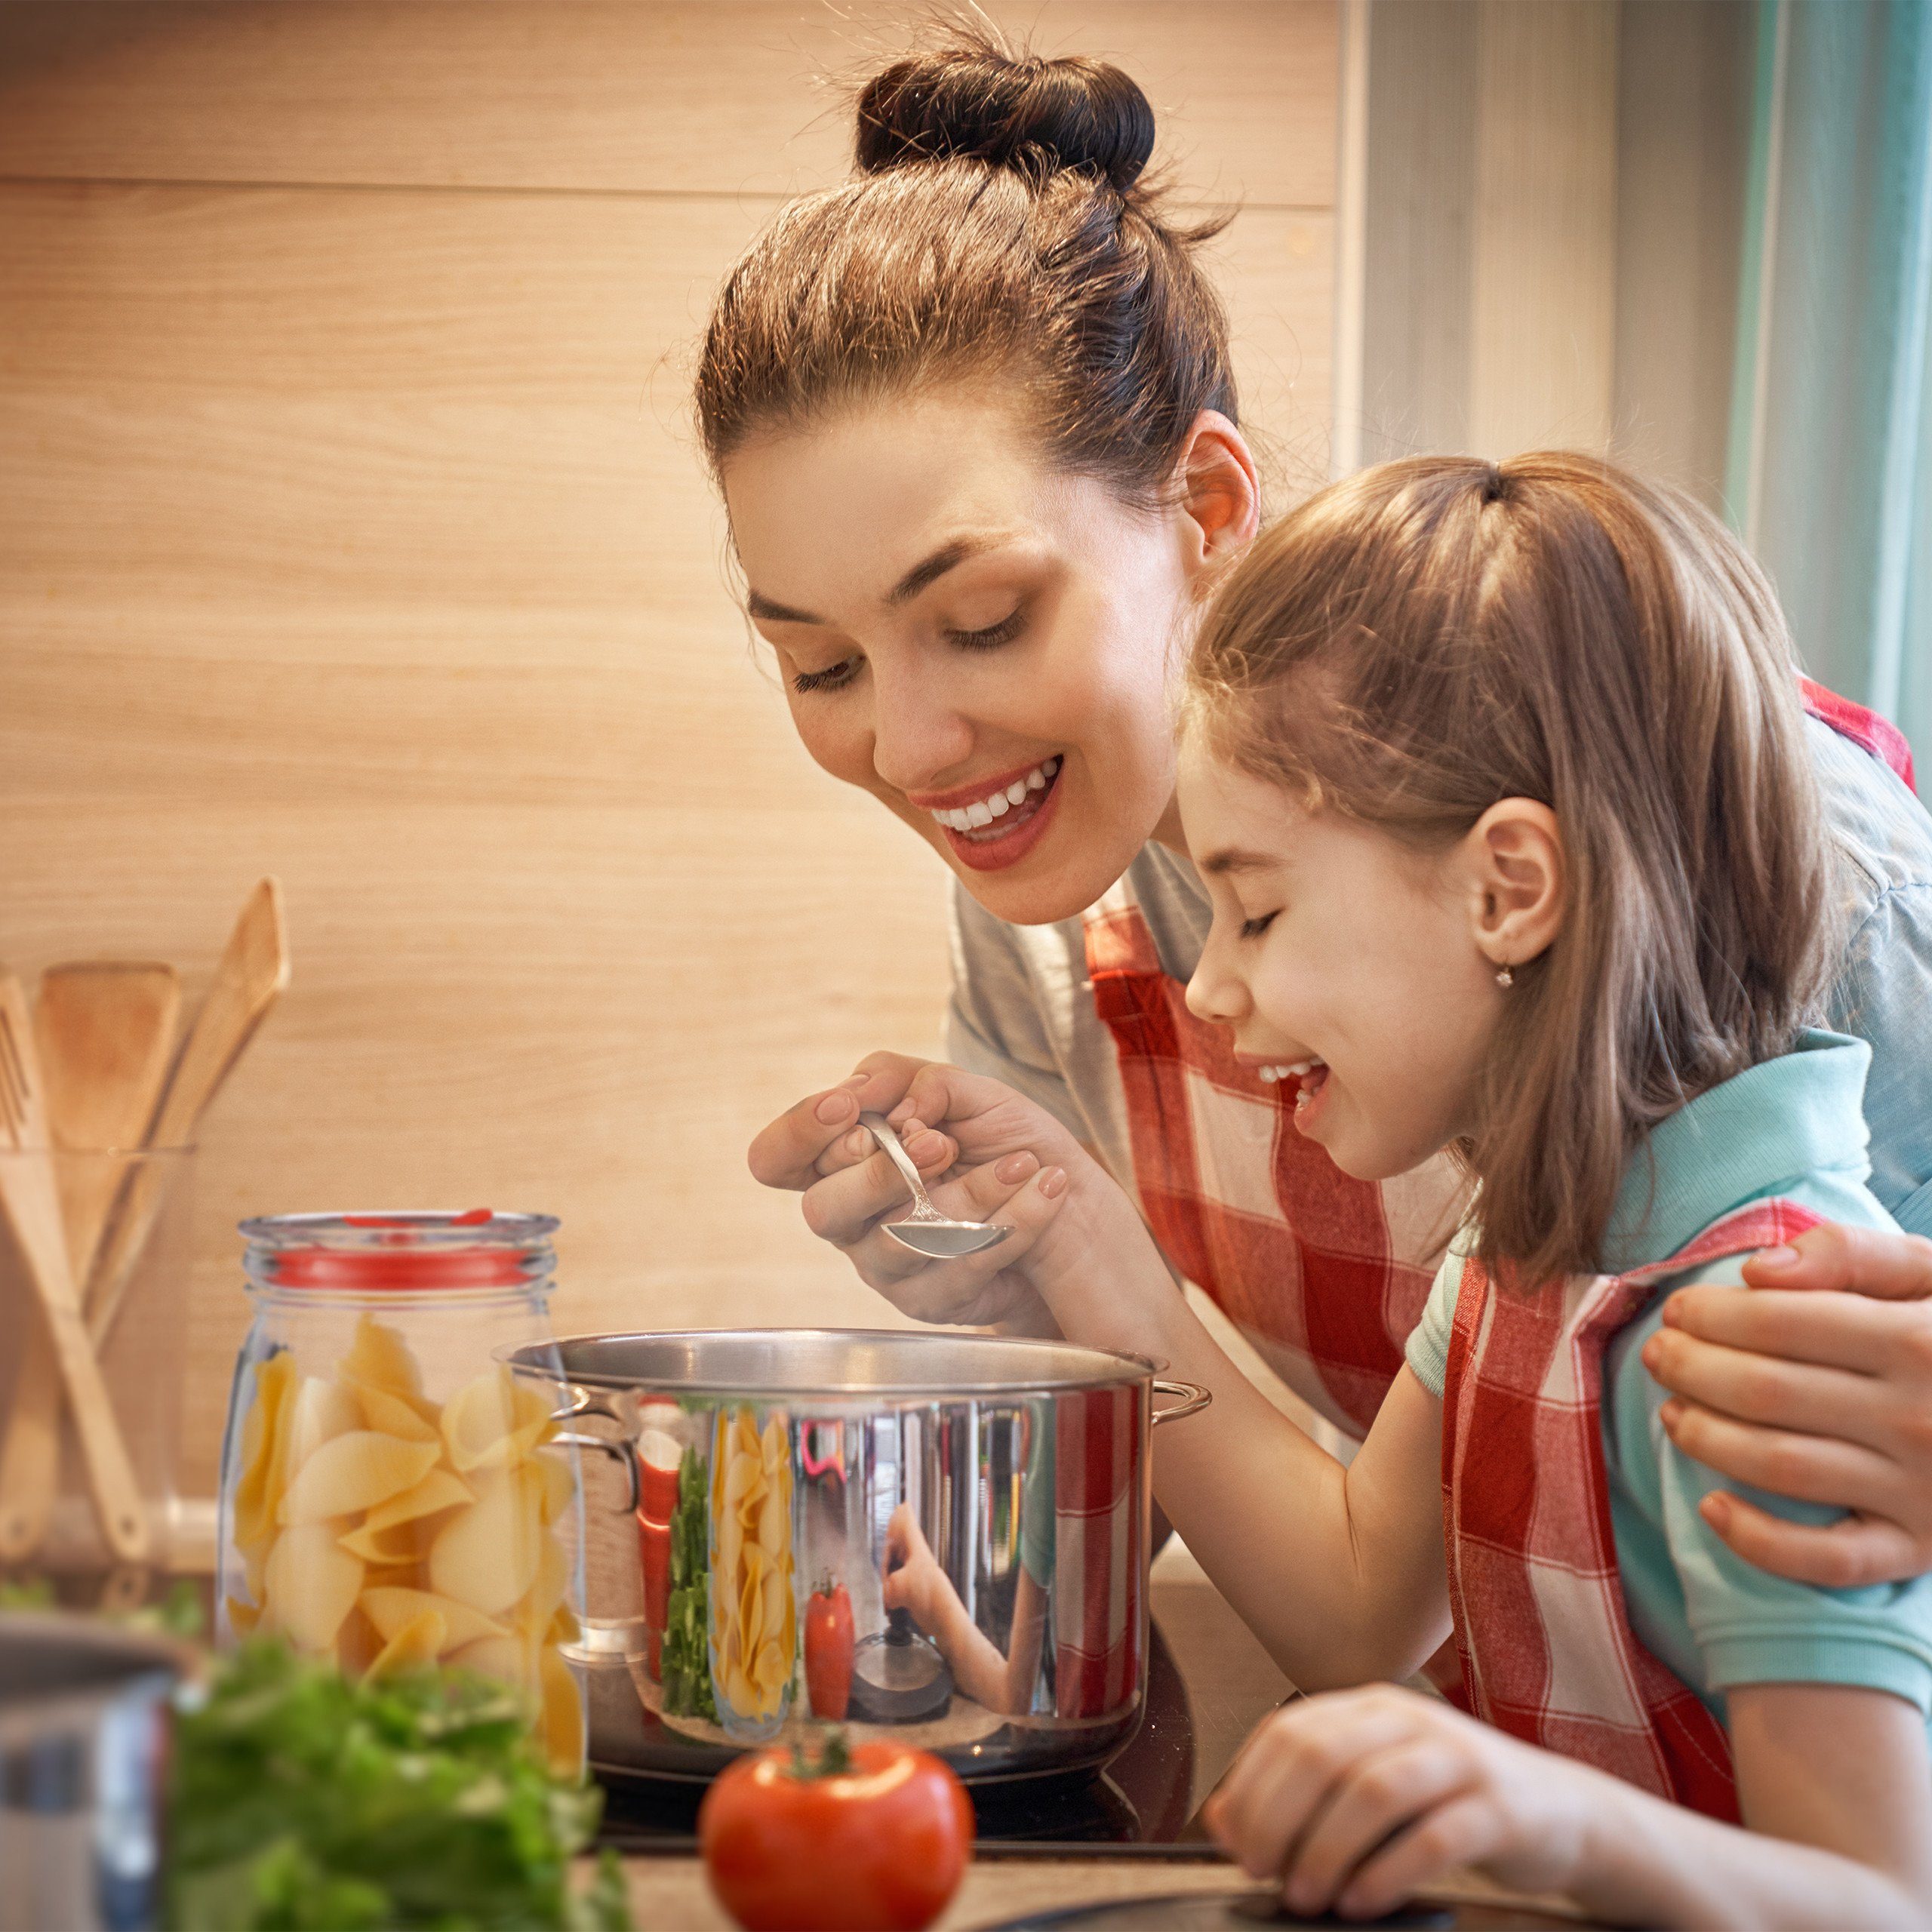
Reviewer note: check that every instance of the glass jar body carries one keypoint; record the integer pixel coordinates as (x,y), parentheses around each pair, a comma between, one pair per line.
(392,1496)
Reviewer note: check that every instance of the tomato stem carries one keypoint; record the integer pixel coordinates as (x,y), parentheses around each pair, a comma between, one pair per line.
(833,1758)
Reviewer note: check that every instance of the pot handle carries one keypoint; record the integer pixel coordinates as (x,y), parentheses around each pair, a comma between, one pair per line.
(582,1402)
(1193,1399)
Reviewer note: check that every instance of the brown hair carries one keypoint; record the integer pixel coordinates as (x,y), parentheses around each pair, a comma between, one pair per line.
(998,225)
(1431,636)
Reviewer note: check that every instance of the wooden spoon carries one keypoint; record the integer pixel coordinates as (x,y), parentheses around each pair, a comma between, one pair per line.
(253,971)
(31,1202)
(106,1032)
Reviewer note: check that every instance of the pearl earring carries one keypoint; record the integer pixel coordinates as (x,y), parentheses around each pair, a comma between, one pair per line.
(1504,976)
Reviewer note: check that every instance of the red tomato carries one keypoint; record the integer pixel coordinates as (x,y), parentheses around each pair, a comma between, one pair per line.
(829,1651)
(871,1839)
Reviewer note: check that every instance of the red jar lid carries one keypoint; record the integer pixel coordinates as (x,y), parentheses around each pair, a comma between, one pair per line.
(406,1252)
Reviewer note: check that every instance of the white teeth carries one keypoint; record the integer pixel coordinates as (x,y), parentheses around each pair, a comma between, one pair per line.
(997,804)
(1273,1075)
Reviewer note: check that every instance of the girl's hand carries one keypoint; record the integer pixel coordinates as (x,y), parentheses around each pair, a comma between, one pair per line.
(1354,1799)
(1814,1382)
(913,1580)
(1003,1160)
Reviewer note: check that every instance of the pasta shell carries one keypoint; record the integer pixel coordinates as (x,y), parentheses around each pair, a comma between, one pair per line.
(392,1609)
(419,1641)
(562,1721)
(494,1422)
(261,1437)
(355,1471)
(310,1584)
(558,1482)
(486,1554)
(437,1491)
(508,1660)
(395,1416)
(242,1616)
(537,1609)
(321,1411)
(379,1358)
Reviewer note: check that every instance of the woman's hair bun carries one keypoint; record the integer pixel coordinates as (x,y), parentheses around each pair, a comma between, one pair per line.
(972,99)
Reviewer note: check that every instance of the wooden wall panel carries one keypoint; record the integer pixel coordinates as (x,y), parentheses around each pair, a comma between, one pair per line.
(356,533)
(709,96)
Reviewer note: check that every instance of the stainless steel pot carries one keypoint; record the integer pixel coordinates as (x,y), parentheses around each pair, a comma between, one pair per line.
(981,1503)
(84,1716)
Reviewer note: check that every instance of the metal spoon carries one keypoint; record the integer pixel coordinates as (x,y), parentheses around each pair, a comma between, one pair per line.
(926,1231)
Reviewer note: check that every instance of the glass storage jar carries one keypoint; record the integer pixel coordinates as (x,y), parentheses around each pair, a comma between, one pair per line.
(392,1495)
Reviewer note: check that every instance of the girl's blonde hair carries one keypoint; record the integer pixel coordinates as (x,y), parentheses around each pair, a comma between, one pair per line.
(1431,636)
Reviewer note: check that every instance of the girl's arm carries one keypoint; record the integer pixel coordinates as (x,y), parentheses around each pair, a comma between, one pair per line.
(1341,1574)
(1339,1571)
(1357,1800)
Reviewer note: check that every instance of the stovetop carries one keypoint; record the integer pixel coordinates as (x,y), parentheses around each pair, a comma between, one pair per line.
(1209,1683)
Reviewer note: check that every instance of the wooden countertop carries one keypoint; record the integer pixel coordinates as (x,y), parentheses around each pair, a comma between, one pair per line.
(670,1895)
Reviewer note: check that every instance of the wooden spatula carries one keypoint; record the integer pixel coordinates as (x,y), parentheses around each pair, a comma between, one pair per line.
(253,971)
(31,1202)
(105,1033)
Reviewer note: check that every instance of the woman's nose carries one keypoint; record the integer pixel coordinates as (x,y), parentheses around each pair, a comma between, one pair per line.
(919,740)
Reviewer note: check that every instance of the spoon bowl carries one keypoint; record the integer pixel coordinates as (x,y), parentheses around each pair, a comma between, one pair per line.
(926,1231)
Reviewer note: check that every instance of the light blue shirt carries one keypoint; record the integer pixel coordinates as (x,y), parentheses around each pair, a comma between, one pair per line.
(1792,1128)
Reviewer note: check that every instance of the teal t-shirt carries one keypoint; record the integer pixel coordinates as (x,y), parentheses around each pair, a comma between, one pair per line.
(1793,1126)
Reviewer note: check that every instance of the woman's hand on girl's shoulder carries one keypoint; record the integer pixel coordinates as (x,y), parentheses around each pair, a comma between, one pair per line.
(1814,1383)
(1000,1158)
(1353,1800)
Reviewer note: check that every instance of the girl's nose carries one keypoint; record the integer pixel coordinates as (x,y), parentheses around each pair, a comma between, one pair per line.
(1215,994)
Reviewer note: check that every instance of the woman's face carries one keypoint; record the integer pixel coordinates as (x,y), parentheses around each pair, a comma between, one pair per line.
(982,644)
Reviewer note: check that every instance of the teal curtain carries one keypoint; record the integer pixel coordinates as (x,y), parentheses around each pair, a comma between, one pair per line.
(1829,475)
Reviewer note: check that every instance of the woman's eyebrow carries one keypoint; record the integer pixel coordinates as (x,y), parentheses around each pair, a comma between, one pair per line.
(935,566)
(923,574)
(760,606)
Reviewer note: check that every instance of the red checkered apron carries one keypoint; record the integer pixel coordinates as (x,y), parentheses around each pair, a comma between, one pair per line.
(1547,1651)
(1326,1274)
(1099,1532)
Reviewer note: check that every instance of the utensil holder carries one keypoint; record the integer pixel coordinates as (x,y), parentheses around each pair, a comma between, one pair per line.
(139,1320)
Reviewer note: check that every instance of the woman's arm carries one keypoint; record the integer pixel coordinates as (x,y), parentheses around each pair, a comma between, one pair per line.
(1358,1799)
(1815,1382)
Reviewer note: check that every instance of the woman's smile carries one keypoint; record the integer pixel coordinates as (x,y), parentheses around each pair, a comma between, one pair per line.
(995,822)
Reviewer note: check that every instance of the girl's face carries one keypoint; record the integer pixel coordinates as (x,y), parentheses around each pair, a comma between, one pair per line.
(982,644)
(1347,960)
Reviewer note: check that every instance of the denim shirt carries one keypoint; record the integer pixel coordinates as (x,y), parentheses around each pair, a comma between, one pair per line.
(1883,992)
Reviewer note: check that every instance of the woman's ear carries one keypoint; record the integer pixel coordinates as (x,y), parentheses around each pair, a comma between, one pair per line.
(1516,877)
(1218,493)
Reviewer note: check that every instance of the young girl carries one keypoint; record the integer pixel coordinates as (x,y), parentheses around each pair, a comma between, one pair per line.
(1497,776)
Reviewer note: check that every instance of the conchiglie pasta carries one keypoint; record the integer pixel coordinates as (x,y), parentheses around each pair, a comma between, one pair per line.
(754,1604)
(391,1532)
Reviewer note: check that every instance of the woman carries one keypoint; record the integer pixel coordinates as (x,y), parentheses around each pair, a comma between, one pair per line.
(974,422)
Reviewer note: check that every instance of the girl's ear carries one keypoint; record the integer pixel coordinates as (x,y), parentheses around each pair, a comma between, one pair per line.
(1514,855)
(1218,493)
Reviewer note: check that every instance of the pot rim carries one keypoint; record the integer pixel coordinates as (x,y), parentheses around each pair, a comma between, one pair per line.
(1109,1366)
